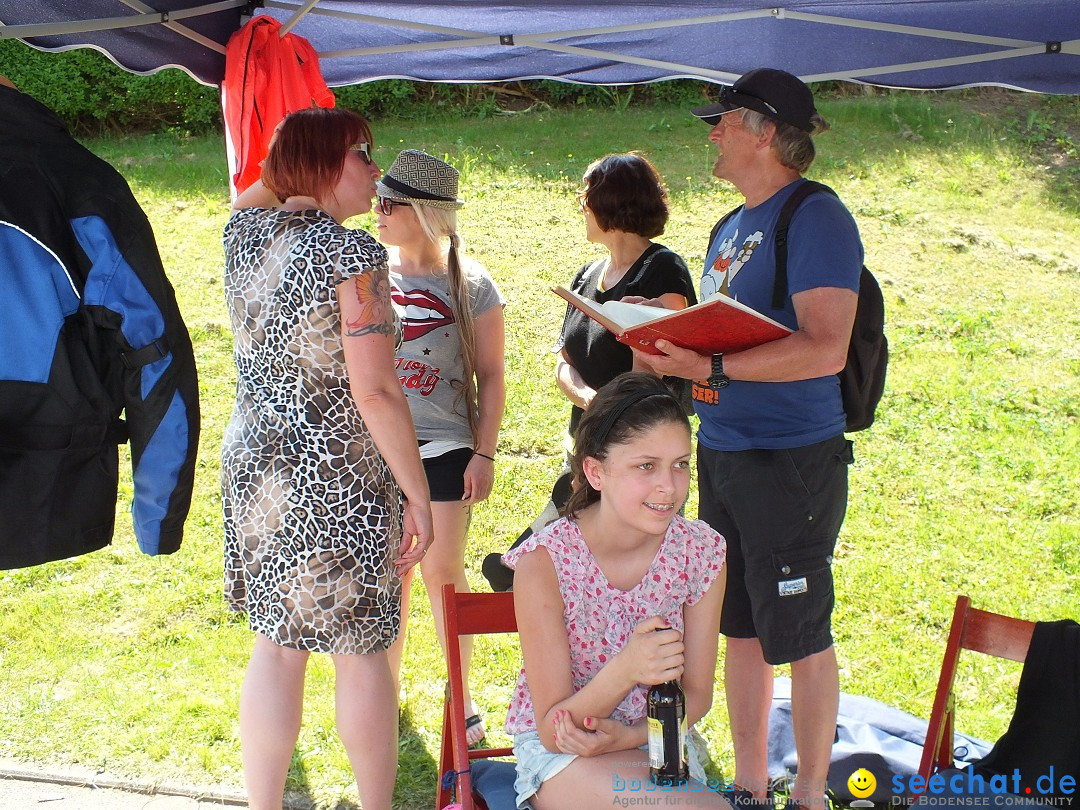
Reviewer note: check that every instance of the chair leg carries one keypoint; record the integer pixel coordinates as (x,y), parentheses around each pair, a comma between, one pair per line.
(937,750)
(446,759)
(945,748)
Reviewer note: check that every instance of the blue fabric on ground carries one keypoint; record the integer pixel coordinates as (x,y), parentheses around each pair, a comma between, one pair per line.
(870,734)
(493,781)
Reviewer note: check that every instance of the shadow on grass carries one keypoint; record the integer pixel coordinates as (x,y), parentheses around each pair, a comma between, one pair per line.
(298,795)
(418,771)
(416,778)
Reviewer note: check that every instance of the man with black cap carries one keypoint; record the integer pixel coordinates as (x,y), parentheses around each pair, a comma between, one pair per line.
(772,457)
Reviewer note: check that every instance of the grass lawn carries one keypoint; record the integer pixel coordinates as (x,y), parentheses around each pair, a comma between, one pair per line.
(970,211)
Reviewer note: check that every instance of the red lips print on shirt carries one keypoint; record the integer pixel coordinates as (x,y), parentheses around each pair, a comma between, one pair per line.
(423,312)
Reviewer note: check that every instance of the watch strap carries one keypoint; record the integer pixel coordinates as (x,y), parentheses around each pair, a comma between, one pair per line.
(718,379)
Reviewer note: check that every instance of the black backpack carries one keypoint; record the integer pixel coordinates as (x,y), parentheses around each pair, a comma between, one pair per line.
(862,380)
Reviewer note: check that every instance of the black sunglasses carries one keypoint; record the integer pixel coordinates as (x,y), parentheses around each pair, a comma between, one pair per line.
(386,205)
(740,98)
(364,150)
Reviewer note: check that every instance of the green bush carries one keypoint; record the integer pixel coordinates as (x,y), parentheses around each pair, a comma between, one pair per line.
(393,97)
(93,96)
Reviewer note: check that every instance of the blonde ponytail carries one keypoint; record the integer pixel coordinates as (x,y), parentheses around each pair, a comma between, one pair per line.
(439,223)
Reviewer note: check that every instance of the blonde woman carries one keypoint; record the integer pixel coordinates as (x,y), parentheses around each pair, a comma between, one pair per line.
(450,366)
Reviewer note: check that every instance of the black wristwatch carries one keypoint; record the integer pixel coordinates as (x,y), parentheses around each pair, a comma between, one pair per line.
(718,379)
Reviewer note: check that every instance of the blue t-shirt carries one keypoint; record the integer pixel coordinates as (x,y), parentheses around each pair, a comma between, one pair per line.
(824,250)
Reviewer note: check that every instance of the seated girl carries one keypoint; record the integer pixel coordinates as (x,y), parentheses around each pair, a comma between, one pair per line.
(619,594)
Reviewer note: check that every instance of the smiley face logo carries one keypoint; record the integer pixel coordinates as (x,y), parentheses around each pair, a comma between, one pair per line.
(861,783)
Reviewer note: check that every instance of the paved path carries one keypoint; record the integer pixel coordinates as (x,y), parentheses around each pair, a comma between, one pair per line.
(26,787)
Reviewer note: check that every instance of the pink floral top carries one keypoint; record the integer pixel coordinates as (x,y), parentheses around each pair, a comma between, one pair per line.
(600,617)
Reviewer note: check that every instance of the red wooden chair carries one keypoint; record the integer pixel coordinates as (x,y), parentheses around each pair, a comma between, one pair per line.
(466,614)
(981,631)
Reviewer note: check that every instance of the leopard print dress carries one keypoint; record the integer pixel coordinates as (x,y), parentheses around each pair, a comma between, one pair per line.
(312,514)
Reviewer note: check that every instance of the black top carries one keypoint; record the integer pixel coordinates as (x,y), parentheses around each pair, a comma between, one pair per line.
(593,350)
(1042,739)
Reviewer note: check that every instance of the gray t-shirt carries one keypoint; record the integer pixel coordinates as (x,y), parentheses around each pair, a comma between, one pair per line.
(429,362)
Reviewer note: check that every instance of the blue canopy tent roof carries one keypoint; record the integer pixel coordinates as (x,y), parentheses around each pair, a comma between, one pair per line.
(1023,44)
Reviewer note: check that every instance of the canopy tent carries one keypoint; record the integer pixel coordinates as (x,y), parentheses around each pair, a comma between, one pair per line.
(1023,44)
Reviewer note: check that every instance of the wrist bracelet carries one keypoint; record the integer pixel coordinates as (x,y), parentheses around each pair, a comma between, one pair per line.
(483,455)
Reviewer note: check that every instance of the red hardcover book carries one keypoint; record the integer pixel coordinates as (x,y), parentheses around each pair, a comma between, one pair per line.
(717,324)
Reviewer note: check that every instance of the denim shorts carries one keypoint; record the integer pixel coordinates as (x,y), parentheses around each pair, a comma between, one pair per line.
(535,764)
(780,512)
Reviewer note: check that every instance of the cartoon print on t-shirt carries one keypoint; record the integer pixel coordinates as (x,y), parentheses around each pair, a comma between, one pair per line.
(748,247)
(728,262)
(715,277)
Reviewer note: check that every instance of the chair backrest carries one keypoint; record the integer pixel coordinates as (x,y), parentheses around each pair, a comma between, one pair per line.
(466,614)
(971,629)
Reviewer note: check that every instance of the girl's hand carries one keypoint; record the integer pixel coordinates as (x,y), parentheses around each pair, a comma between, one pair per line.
(479,478)
(599,736)
(654,653)
(416,535)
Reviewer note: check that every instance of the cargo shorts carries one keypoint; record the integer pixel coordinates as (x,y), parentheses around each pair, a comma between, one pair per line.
(780,512)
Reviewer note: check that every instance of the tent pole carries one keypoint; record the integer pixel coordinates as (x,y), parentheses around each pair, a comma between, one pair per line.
(483,39)
(182,30)
(354,15)
(955,36)
(299,15)
(856,74)
(32,30)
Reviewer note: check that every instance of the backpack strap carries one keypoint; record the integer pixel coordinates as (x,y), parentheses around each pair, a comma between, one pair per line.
(804,190)
(150,353)
(720,224)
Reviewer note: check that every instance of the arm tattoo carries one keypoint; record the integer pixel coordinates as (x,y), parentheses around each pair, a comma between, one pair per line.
(375,315)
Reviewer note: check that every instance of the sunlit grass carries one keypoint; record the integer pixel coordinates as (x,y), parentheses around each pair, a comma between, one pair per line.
(967,482)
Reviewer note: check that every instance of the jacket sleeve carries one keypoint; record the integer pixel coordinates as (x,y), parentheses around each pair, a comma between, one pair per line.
(127,290)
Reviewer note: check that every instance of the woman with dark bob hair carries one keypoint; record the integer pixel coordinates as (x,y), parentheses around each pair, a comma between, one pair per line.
(625,206)
(325,499)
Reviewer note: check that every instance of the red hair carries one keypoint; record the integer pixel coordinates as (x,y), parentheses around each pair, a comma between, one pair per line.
(307,154)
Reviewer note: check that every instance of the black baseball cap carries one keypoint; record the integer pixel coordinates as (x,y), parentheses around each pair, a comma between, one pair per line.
(774,93)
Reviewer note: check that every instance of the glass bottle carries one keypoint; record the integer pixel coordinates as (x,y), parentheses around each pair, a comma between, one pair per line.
(667,734)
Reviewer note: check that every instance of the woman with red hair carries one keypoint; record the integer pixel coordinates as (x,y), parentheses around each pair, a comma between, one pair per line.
(325,500)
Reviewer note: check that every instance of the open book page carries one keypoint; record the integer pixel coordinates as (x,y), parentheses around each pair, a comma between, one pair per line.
(630,315)
(627,315)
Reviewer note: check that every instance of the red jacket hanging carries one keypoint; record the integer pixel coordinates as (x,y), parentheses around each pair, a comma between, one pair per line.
(267,76)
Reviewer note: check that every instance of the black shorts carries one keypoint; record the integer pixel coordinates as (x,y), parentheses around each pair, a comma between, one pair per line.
(446,474)
(780,512)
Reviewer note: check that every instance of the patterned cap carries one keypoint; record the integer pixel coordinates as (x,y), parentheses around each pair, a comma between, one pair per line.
(420,178)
